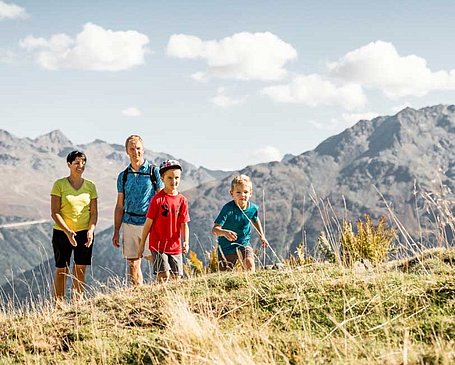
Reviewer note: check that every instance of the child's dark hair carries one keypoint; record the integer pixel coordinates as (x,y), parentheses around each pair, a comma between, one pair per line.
(75,154)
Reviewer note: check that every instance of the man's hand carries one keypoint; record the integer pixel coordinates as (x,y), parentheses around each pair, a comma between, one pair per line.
(116,239)
(186,246)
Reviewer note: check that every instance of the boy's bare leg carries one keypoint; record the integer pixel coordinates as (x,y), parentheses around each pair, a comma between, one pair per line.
(175,276)
(248,264)
(163,276)
(135,272)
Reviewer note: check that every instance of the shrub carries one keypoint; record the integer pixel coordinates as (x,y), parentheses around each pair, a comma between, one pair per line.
(196,264)
(213,260)
(371,242)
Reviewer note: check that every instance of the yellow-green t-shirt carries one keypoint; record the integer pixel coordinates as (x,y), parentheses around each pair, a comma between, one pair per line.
(75,204)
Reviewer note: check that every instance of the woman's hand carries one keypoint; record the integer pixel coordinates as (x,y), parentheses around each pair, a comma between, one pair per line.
(89,238)
(71,237)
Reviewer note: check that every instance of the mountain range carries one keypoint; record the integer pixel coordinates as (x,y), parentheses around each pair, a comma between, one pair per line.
(393,166)
(400,166)
(30,166)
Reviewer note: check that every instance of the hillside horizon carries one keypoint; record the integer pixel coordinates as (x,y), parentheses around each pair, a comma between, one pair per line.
(400,166)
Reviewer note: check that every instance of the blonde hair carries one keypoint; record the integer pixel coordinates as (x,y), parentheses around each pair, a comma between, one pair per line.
(133,137)
(241,180)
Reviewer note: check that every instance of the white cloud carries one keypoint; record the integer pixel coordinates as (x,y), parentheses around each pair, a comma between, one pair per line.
(223,101)
(11,11)
(95,48)
(378,65)
(314,90)
(243,56)
(266,154)
(6,56)
(132,112)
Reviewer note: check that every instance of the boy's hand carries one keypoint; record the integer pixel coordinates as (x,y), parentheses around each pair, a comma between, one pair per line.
(186,246)
(229,235)
(264,241)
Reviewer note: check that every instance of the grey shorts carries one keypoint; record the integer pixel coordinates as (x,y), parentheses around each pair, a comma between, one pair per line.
(228,261)
(163,262)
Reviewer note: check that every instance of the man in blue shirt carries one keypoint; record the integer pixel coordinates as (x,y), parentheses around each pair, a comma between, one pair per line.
(136,186)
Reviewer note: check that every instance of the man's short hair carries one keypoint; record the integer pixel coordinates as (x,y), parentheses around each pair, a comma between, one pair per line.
(75,154)
(241,180)
(133,137)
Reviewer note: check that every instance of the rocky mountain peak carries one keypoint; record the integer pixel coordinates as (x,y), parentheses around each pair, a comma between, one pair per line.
(6,138)
(54,141)
(370,138)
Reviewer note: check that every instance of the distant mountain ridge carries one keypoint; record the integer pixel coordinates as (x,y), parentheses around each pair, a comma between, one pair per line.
(28,167)
(404,162)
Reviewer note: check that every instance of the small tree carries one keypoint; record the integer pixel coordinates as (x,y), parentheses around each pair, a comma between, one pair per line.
(370,242)
(213,260)
(196,264)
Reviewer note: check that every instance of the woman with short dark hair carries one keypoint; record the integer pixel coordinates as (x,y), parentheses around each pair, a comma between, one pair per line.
(75,213)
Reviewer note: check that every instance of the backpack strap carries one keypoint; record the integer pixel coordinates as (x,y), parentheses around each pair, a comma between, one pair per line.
(151,173)
(124,177)
(153,168)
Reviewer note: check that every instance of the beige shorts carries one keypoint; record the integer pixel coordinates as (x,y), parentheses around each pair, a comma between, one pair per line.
(132,240)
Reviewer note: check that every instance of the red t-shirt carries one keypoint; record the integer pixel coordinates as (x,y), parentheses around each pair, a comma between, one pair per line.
(168,213)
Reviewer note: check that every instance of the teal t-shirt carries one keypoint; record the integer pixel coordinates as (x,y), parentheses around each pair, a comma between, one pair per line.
(234,219)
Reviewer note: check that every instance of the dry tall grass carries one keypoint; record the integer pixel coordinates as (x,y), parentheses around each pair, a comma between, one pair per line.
(314,314)
(400,312)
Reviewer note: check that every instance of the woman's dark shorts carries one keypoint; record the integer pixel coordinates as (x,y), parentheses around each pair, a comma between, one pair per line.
(227,262)
(63,249)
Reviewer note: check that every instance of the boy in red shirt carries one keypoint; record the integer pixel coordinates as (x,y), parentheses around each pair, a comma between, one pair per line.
(167,222)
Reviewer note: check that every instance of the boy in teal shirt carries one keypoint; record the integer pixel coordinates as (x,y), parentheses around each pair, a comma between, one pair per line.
(233,227)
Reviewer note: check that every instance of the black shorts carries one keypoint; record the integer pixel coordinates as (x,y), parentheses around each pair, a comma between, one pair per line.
(63,249)
(228,261)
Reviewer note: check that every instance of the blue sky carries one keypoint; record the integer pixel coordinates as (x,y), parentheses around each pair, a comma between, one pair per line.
(221,84)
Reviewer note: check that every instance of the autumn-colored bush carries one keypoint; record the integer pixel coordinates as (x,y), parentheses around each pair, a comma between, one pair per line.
(370,241)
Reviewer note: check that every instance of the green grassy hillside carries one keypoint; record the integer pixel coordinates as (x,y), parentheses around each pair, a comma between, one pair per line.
(400,313)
